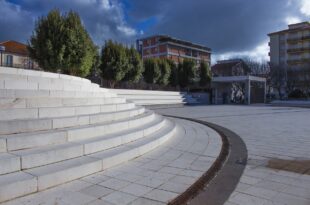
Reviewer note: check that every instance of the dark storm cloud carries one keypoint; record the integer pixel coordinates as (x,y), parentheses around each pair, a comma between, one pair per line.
(103,19)
(226,26)
(223,25)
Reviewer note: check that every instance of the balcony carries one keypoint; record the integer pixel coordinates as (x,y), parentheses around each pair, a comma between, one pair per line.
(298,39)
(298,61)
(298,50)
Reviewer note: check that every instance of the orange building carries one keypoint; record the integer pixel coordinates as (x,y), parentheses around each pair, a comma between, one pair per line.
(15,54)
(163,46)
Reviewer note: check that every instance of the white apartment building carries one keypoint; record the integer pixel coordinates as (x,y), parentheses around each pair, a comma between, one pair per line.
(290,48)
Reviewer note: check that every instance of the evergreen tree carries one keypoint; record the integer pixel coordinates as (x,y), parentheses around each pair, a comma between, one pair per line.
(174,78)
(135,66)
(151,72)
(205,74)
(165,71)
(80,52)
(46,44)
(61,43)
(187,72)
(114,62)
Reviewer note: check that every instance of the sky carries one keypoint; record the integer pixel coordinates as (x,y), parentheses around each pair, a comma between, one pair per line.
(231,28)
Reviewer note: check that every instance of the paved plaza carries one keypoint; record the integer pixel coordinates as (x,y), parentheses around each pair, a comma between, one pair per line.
(271,134)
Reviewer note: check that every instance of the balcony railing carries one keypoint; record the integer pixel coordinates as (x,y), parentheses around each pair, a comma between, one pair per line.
(298,50)
(298,61)
(297,39)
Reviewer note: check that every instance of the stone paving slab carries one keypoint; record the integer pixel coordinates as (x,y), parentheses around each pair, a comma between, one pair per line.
(154,178)
(269,133)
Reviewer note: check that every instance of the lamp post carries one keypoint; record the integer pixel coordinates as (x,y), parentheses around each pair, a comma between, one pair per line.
(2,49)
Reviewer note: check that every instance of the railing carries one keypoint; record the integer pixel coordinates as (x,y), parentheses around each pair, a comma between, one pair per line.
(298,50)
(24,66)
(298,61)
(296,39)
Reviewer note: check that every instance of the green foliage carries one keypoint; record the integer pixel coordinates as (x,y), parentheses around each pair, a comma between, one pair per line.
(187,72)
(165,71)
(174,78)
(135,66)
(61,43)
(205,74)
(114,62)
(151,72)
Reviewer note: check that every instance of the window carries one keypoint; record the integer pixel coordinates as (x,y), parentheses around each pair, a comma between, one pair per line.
(9,60)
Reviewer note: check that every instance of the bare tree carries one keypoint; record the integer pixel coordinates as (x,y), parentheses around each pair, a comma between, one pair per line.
(257,68)
(305,79)
(278,78)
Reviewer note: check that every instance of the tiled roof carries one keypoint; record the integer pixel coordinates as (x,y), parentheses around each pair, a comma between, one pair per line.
(15,47)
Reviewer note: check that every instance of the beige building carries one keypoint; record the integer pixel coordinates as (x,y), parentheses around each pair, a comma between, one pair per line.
(15,54)
(290,48)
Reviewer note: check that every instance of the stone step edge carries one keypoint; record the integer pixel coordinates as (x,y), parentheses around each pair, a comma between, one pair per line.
(84,147)
(9,127)
(71,134)
(34,182)
(8,103)
(20,71)
(44,112)
(22,93)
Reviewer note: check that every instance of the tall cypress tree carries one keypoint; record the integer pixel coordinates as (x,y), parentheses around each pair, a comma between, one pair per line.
(135,65)
(61,43)
(151,72)
(205,74)
(114,62)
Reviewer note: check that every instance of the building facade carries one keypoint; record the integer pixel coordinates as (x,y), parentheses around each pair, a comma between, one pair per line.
(163,46)
(233,67)
(15,54)
(290,48)
(233,84)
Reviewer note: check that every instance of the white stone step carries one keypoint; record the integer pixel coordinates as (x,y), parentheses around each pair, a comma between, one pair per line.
(12,81)
(31,125)
(62,172)
(42,74)
(6,103)
(52,112)
(17,184)
(60,136)
(86,132)
(9,163)
(23,93)
(50,154)
(136,148)
(145,92)
(152,97)
(157,101)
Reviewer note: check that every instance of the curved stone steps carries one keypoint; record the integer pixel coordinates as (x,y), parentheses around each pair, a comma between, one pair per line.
(10,103)
(30,125)
(8,81)
(54,112)
(44,155)
(42,138)
(22,93)
(36,179)
(41,74)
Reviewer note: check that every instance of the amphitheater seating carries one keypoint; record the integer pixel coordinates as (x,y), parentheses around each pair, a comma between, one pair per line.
(56,128)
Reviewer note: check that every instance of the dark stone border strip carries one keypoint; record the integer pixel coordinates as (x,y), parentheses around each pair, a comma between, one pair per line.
(215,186)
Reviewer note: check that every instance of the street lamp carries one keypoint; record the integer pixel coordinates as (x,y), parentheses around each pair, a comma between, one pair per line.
(2,49)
